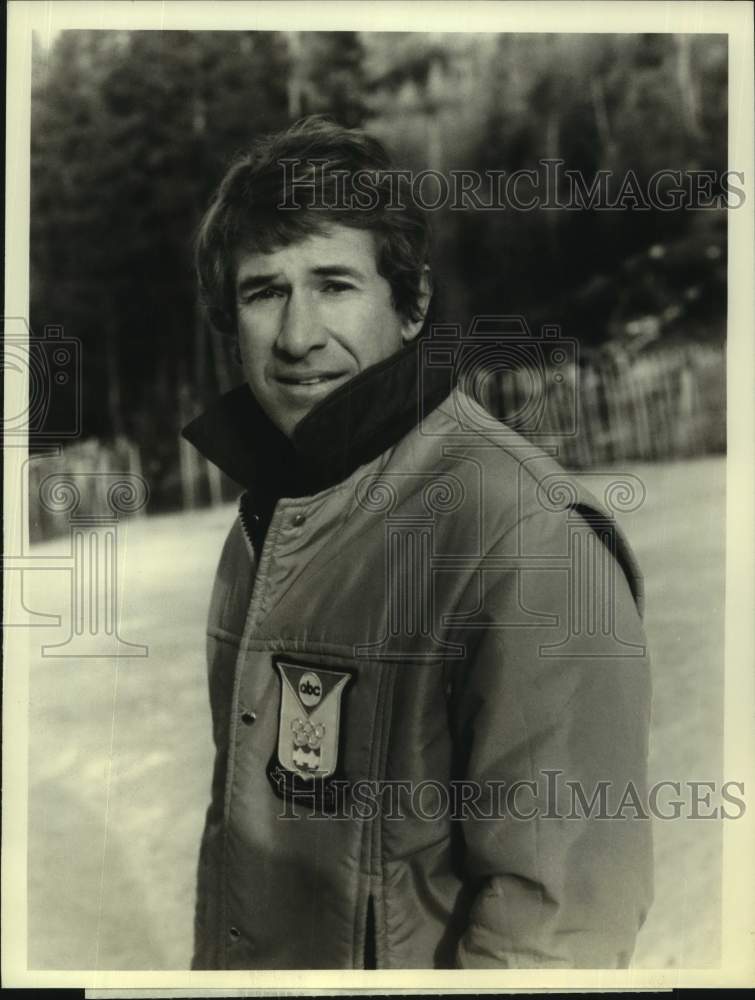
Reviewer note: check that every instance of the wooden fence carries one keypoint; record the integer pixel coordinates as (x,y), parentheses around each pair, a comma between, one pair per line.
(662,405)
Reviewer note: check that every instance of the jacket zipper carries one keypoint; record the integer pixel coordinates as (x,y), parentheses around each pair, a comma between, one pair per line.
(246,527)
(370,955)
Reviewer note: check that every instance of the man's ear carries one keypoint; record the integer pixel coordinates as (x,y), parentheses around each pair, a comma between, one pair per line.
(410,328)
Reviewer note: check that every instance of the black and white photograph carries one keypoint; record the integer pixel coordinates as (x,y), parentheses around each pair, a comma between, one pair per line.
(378,463)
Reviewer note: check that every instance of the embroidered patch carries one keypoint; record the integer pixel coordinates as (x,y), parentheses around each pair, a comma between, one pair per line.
(310,718)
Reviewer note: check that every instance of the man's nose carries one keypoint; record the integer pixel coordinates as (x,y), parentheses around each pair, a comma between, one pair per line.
(301,329)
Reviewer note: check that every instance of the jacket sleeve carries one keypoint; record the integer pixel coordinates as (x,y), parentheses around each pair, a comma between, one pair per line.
(553,716)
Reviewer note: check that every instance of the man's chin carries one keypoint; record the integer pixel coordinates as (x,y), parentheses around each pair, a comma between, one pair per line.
(293,401)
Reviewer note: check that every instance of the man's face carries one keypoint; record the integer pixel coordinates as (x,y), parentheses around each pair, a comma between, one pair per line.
(311,316)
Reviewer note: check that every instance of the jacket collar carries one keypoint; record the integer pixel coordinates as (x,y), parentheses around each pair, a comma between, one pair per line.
(350,427)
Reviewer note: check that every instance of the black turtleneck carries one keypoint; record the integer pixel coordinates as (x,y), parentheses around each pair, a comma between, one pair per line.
(352,426)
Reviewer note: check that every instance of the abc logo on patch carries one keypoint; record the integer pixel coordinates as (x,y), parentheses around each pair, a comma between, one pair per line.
(310,690)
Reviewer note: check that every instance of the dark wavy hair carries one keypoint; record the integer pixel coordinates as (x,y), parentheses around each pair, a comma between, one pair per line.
(311,158)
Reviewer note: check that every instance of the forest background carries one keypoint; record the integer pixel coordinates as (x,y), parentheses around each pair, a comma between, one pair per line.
(132,131)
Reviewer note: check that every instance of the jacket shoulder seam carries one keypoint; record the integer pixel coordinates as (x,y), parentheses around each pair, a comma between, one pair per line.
(223,635)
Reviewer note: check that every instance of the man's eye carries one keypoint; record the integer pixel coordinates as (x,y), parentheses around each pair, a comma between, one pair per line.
(337,286)
(262,295)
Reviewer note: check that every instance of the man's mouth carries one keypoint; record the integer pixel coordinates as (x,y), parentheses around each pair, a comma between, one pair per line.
(313,379)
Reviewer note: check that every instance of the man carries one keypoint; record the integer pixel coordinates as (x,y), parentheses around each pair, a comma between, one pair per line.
(403,701)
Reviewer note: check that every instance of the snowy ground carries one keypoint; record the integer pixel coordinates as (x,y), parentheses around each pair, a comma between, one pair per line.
(120,750)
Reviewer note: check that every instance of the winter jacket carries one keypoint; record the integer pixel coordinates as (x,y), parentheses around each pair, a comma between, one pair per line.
(426,662)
